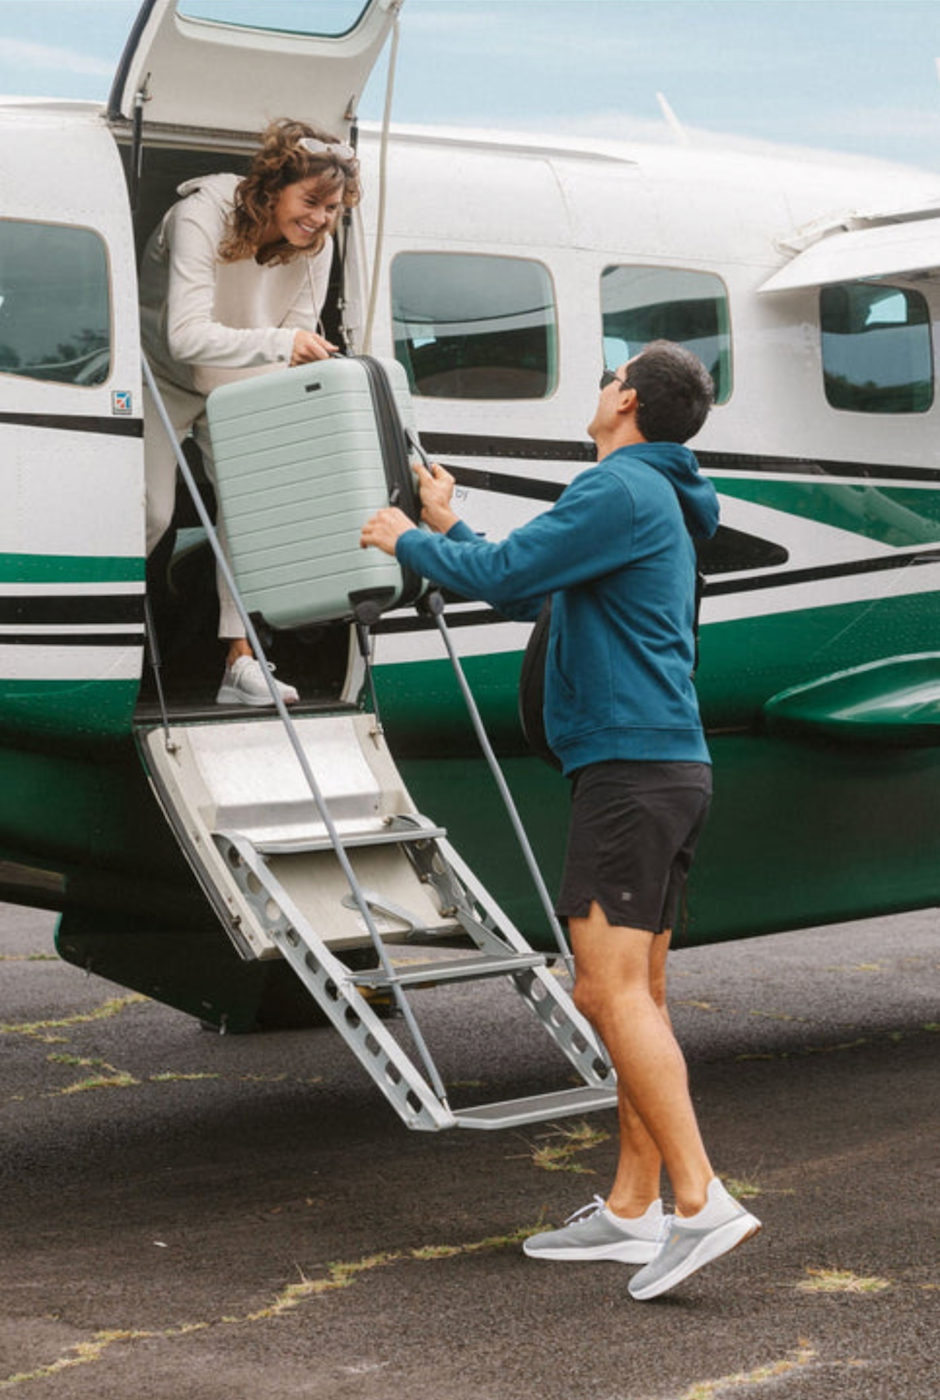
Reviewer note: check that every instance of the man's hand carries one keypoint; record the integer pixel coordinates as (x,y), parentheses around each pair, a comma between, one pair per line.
(437,488)
(385,529)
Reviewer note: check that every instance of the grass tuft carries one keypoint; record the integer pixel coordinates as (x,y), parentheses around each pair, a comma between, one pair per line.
(840,1281)
(556,1156)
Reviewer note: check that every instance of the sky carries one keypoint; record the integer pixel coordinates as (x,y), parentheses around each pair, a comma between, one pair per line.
(856,76)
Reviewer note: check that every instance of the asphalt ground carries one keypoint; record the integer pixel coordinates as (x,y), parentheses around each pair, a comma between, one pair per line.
(188,1216)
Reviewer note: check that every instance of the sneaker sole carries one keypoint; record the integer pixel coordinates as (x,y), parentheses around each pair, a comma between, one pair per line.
(718,1243)
(633,1252)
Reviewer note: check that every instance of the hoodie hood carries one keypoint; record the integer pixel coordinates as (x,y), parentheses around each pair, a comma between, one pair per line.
(678,464)
(215,192)
(220,188)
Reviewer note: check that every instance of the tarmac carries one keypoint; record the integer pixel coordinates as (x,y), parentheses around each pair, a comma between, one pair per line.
(189,1216)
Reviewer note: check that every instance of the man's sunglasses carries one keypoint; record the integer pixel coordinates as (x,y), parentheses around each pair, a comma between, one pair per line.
(608,377)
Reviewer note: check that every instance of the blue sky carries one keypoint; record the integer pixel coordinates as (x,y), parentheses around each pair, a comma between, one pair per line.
(859,76)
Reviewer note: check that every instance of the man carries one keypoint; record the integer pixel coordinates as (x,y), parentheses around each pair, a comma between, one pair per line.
(617,557)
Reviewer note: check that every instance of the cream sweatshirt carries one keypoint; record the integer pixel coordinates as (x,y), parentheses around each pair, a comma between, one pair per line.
(198,312)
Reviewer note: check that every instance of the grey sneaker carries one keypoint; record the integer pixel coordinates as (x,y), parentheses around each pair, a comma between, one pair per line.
(687,1245)
(594,1233)
(245,684)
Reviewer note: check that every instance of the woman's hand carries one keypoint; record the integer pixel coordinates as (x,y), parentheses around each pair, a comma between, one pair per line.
(308,345)
(385,529)
(437,488)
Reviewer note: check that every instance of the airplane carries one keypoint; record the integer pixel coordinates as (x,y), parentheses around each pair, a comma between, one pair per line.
(502,273)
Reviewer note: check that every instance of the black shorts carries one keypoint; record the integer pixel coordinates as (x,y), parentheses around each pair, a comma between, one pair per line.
(634,827)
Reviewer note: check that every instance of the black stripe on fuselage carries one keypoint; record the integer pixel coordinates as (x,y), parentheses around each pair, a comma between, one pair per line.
(77,423)
(65,609)
(786,578)
(421,622)
(715,463)
(71,639)
(512,448)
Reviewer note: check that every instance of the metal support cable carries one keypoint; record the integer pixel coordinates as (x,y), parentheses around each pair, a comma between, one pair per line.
(436,607)
(294,739)
(383,181)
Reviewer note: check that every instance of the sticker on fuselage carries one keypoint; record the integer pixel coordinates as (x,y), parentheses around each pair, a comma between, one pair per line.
(122,402)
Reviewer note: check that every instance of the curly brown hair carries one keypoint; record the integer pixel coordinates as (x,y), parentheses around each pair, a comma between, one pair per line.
(282,161)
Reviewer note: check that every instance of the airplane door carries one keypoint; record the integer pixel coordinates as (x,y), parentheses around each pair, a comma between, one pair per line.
(71,455)
(186,65)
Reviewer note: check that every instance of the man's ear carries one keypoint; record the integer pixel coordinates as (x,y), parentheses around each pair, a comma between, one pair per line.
(628,401)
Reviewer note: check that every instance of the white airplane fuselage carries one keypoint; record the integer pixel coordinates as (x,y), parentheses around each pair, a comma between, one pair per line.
(510,271)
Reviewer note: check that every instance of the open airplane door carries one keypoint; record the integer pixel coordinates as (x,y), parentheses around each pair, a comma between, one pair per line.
(207,66)
(203,76)
(198,82)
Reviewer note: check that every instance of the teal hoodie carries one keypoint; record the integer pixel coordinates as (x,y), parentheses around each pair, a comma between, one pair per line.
(616,553)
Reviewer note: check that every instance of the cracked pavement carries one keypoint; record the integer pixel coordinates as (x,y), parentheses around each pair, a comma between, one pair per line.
(244,1218)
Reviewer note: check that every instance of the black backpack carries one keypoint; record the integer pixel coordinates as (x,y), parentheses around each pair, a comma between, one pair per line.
(532,687)
(532,677)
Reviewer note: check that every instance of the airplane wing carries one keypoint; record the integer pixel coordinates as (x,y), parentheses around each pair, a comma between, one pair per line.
(894,702)
(907,244)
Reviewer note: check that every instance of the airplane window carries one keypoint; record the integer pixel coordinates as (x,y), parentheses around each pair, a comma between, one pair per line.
(876,349)
(640,304)
(475,326)
(328,18)
(55,304)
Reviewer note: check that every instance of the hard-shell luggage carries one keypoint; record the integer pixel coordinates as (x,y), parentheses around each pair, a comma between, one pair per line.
(303,457)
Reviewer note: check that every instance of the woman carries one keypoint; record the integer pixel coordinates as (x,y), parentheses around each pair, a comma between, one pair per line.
(232,284)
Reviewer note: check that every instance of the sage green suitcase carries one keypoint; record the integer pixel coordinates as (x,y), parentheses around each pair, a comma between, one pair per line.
(303,457)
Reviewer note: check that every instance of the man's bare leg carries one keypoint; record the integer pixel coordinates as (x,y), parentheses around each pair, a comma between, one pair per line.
(639,1168)
(614,990)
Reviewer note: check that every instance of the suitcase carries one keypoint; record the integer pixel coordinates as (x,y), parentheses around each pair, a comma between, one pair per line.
(303,457)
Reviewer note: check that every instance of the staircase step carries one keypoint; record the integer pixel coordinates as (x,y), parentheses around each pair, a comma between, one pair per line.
(385,836)
(511,1113)
(442,971)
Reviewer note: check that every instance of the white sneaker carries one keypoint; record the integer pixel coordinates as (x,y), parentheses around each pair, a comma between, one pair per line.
(691,1242)
(245,684)
(594,1232)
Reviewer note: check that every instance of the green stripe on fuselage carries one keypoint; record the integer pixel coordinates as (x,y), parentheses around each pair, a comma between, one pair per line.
(898,516)
(70,568)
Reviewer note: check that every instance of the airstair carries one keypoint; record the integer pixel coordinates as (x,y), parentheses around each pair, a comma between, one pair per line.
(267,859)
(309,847)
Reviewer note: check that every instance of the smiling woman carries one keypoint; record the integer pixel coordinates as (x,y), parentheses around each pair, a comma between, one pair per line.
(232,283)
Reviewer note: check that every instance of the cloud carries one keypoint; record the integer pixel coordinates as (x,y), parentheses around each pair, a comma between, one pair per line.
(909,122)
(514,31)
(20,53)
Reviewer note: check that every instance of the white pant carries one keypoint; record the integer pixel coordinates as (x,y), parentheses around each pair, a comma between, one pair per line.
(186,411)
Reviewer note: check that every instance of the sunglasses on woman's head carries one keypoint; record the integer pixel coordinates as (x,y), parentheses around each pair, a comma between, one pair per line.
(339,149)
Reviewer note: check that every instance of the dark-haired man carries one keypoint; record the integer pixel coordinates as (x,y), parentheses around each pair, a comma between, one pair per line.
(616,554)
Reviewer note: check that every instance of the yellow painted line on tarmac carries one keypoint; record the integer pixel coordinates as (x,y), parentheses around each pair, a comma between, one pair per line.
(292,1296)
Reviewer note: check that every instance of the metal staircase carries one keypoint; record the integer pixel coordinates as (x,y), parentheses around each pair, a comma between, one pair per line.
(267,858)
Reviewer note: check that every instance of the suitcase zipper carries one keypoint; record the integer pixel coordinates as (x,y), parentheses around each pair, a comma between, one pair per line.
(396,461)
